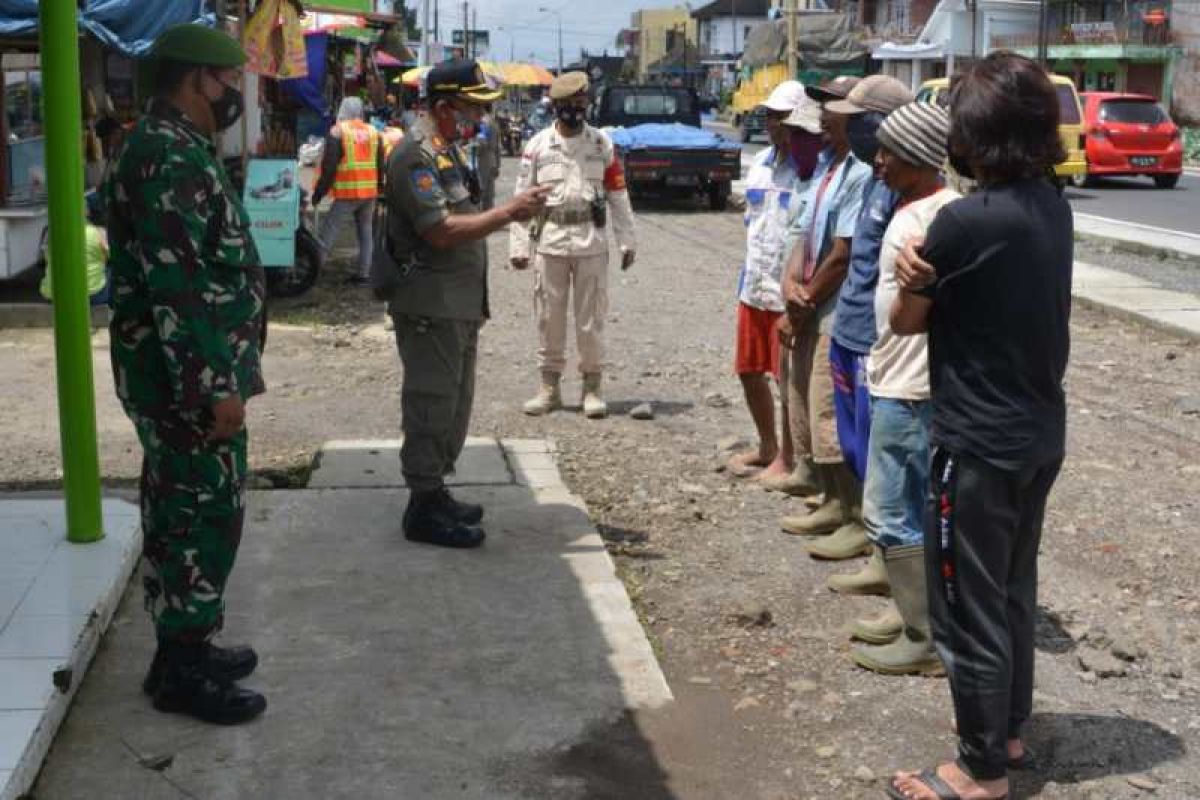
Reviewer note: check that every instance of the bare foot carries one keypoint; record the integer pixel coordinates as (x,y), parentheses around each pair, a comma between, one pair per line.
(776,469)
(750,462)
(911,786)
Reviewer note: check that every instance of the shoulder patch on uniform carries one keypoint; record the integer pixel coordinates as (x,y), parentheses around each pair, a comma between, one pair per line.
(424,182)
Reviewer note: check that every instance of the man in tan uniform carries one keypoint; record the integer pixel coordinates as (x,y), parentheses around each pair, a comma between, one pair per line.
(568,241)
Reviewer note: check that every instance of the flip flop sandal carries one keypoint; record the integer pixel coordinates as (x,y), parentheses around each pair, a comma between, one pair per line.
(1026,763)
(935,784)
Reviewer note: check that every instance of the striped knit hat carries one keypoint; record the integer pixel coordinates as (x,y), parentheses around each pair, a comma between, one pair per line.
(917,132)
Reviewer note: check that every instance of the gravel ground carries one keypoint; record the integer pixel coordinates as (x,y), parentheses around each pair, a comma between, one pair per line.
(751,640)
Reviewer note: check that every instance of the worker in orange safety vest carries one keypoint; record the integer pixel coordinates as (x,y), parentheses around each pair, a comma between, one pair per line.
(352,171)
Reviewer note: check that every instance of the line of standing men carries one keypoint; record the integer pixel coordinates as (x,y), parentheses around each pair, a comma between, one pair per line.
(957,437)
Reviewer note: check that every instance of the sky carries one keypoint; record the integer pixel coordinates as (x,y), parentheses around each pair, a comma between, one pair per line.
(519,29)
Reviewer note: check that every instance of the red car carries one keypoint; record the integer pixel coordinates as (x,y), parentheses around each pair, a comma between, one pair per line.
(1131,134)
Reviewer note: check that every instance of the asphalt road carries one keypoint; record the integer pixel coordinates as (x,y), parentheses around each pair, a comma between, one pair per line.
(1126,199)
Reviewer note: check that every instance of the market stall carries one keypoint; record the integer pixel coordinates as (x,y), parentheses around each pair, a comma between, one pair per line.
(112,34)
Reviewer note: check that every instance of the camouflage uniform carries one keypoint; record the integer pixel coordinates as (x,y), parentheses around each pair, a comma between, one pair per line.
(188,296)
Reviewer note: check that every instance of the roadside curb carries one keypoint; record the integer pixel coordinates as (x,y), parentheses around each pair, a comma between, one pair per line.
(1139,238)
(1136,299)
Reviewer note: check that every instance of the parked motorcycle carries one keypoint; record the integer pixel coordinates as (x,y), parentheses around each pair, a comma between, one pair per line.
(297,279)
(510,135)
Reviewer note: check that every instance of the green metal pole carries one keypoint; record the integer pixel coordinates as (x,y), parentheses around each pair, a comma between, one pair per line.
(61,103)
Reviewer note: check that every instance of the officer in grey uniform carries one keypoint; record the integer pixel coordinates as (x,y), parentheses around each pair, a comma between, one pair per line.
(431,267)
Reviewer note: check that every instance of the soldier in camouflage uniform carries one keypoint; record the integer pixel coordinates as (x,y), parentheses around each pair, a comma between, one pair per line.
(188,296)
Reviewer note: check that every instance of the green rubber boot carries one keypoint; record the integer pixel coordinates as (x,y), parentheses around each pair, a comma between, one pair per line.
(912,652)
(880,629)
(849,540)
(871,579)
(800,482)
(825,518)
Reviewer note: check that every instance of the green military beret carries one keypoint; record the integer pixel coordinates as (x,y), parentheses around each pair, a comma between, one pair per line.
(568,84)
(191,43)
(197,44)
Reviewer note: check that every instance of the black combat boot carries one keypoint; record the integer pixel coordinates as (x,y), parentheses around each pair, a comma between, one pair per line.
(466,513)
(222,663)
(432,518)
(187,688)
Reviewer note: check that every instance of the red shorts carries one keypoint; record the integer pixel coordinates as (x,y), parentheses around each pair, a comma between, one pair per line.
(757,341)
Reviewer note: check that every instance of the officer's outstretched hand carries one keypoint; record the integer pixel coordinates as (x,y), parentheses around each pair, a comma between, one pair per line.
(627,258)
(229,416)
(528,203)
(519,263)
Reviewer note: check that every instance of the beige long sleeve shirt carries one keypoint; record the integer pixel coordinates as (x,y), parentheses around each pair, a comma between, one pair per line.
(578,168)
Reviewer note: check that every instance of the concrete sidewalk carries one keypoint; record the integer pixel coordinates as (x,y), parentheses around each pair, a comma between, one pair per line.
(393,670)
(1135,298)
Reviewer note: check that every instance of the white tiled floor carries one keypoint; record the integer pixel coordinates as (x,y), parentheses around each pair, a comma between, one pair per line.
(16,728)
(49,590)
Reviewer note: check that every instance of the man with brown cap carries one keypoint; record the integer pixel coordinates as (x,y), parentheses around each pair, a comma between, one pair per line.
(432,270)
(820,253)
(579,167)
(854,329)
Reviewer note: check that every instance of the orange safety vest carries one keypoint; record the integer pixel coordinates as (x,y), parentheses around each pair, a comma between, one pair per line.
(357,175)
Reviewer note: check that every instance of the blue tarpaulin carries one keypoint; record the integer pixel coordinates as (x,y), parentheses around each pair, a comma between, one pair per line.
(674,135)
(126,25)
(308,90)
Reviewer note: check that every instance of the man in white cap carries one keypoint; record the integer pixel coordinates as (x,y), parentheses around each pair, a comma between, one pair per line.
(770,189)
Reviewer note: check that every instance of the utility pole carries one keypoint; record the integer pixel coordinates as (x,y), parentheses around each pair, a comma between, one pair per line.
(791,38)
(474,27)
(425,33)
(437,24)
(558,14)
(733,13)
(72,316)
(1043,34)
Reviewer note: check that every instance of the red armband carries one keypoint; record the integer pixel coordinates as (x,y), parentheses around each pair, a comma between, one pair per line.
(614,177)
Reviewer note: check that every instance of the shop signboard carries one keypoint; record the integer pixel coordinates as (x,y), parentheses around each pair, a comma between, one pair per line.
(1094,32)
(272,199)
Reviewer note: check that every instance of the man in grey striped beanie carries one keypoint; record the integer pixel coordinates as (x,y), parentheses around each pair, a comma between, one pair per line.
(917,133)
(912,147)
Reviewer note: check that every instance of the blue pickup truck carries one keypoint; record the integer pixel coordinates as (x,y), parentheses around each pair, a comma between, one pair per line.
(665,151)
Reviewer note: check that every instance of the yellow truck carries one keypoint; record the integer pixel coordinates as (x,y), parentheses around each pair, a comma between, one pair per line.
(747,116)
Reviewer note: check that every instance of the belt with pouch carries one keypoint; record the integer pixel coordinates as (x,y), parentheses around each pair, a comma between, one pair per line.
(568,216)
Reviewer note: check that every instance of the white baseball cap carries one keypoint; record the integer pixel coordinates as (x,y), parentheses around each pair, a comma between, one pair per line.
(806,116)
(786,96)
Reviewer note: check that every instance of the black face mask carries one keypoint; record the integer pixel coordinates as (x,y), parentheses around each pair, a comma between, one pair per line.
(571,116)
(862,130)
(227,109)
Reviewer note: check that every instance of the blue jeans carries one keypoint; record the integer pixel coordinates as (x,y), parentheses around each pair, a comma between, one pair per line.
(897,471)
